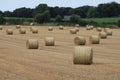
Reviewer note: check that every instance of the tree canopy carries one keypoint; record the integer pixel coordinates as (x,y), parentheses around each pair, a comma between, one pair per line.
(43,17)
(2,20)
(102,10)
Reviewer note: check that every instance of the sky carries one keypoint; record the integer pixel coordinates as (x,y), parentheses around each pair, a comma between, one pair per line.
(13,4)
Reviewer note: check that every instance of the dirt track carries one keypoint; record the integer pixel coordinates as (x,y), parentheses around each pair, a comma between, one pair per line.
(56,63)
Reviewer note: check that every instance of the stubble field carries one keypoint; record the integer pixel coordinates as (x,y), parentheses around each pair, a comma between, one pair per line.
(56,62)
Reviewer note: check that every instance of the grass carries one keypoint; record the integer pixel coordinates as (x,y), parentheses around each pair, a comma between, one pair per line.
(103,20)
(19,18)
(99,21)
(15,20)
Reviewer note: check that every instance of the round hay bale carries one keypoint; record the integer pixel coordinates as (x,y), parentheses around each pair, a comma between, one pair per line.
(61,27)
(22,31)
(35,30)
(80,40)
(105,29)
(88,28)
(103,35)
(99,29)
(18,26)
(50,28)
(87,25)
(91,27)
(109,32)
(49,41)
(32,44)
(73,31)
(77,25)
(32,24)
(9,31)
(77,29)
(94,39)
(83,55)
(31,28)
(1,27)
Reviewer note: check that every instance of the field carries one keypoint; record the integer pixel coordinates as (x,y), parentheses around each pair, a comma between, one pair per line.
(56,63)
(15,20)
(103,20)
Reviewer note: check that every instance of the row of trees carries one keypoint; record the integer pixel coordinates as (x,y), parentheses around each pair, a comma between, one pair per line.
(102,10)
(43,13)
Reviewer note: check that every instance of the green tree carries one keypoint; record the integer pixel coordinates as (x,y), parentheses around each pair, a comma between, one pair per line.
(82,23)
(39,18)
(47,16)
(8,14)
(2,20)
(41,8)
(118,23)
(71,11)
(23,12)
(1,12)
(58,18)
(43,17)
(62,11)
(52,12)
(75,18)
(91,12)
(108,10)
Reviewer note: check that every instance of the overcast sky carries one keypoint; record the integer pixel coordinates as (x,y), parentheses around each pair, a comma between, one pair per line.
(13,4)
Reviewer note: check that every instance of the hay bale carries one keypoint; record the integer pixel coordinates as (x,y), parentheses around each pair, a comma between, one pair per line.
(50,28)
(31,28)
(49,41)
(1,27)
(105,29)
(61,27)
(88,28)
(18,26)
(99,29)
(9,31)
(80,40)
(73,31)
(32,44)
(109,32)
(83,55)
(22,31)
(91,27)
(34,30)
(32,24)
(77,29)
(94,39)
(77,25)
(87,25)
(103,35)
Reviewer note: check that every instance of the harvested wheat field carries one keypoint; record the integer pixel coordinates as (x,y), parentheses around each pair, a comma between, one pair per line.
(56,62)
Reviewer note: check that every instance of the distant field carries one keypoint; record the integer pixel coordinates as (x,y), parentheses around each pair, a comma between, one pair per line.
(15,20)
(8,18)
(101,20)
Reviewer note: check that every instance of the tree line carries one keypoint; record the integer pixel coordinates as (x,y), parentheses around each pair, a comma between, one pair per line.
(102,10)
(44,14)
